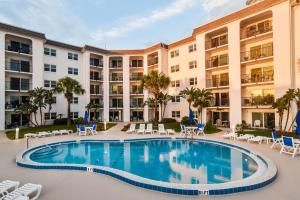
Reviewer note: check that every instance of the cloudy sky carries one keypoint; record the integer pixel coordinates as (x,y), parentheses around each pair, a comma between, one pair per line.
(114,24)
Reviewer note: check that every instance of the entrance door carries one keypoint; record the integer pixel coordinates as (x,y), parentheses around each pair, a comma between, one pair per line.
(269,120)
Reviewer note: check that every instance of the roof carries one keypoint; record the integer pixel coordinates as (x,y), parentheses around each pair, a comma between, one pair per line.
(22,31)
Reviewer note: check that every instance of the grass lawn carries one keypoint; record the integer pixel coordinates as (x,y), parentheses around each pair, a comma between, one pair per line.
(266,133)
(173,125)
(23,131)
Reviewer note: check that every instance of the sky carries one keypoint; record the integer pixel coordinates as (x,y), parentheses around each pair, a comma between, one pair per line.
(115,24)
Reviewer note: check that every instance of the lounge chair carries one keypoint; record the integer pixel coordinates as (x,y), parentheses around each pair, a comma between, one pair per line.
(29,190)
(7,187)
(44,134)
(131,128)
(171,131)
(258,139)
(161,129)
(200,129)
(94,129)
(66,131)
(245,137)
(149,129)
(230,134)
(82,131)
(141,129)
(56,132)
(276,141)
(289,146)
(183,129)
(30,135)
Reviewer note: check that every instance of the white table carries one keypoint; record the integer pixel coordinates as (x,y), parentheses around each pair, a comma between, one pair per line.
(190,130)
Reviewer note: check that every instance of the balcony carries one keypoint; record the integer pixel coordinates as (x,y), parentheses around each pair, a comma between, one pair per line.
(136,77)
(152,61)
(17,86)
(116,63)
(136,92)
(18,47)
(116,105)
(96,78)
(96,91)
(116,78)
(136,64)
(257,101)
(94,62)
(216,42)
(217,82)
(115,92)
(217,61)
(256,29)
(136,105)
(257,78)
(257,54)
(18,66)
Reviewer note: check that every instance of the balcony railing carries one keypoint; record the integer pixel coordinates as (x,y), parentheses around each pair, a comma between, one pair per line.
(116,105)
(18,66)
(136,92)
(116,65)
(257,78)
(116,78)
(96,92)
(218,61)
(96,78)
(223,82)
(95,64)
(257,54)
(224,102)
(19,48)
(113,92)
(135,78)
(267,100)
(247,33)
(17,86)
(13,105)
(136,105)
(216,43)
(152,61)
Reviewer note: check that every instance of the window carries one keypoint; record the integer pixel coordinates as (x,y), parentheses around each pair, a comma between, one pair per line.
(175,83)
(48,84)
(192,48)
(193,81)
(175,99)
(176,114)
(50,116)
(72,56)
(73,71)
(174,53)
(195,113)
(49,68)
(193,64)
(75,100)
(49,52)
(175,68)
(74,115)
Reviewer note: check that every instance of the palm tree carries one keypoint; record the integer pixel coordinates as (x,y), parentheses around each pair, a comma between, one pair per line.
(49,100)
(163,99)
(189,94)
(155,82)
(289,97)
(92,106)
(28,109)
(280,105)
(69,87)
(150,102)
(36,96)
(203,99)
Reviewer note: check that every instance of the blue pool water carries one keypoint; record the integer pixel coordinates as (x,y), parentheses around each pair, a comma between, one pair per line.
(174,161)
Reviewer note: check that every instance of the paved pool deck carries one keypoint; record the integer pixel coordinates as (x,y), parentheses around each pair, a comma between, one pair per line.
(77,185)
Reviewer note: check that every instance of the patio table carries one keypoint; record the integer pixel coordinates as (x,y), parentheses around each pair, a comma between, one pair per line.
(190,130)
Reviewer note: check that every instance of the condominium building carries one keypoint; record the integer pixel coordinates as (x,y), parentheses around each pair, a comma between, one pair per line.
(246,59)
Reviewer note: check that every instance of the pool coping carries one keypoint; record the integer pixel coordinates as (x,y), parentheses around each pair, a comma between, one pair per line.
(258,180)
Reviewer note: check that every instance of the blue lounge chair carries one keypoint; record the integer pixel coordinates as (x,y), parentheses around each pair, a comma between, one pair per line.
(82,131)
(183,129)
(289,146)
(276,140)
(94,129)
(200,129)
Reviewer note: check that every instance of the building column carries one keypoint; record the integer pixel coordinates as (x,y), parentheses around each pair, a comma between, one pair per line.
(126,90)
(235,112)
(146,94)
(2,81)
(106,88)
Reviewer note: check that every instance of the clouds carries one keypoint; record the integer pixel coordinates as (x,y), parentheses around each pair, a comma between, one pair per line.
(175,8)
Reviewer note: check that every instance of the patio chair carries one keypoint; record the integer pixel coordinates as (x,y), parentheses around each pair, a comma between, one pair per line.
(94,129)
(131,128)
(183,129)
(257,123)
(245,137)
(44,134)
(149,129)
(30,135)
(29,191)
(82,131)
(230,134)
(200,129)
(8,186)
(56,132)
(141,129)
(161,129)
(258,139)
(276,141)
(289,146)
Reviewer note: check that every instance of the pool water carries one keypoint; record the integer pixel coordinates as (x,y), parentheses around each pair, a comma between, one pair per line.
(173,161)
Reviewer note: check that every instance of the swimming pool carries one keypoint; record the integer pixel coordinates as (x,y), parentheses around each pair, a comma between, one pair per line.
(170,165)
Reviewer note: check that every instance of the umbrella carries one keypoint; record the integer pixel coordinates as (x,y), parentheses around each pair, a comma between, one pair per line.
(86,117)
(191,117)
(298,123)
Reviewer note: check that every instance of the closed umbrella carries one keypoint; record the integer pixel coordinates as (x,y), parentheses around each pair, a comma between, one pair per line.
(191,117)
(298,123)
(86,118)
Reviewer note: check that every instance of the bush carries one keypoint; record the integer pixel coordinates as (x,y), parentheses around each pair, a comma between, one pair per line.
(79,120)
(168,120)
(209,126)
(62,121)
(125,128)
(185,120)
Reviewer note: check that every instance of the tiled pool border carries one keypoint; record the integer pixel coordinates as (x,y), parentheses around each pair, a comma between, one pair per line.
(182,189)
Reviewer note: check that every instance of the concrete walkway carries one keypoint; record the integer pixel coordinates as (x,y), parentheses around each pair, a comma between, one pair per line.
(58,184)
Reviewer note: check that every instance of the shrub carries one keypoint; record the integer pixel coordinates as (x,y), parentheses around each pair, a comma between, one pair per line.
(79,120)
(185,120)
(209,126)
(62,121)
(168,120)
(125,128)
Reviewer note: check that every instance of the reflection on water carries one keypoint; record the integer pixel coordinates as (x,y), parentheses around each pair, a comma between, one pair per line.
(177,161)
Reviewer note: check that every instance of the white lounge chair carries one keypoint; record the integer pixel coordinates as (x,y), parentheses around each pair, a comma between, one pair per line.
(32,191)
(200,129)
(161,129)
(7,187)
(131,128)
(56,132)
(94,129)
(258,139)
(44,134)
(245,137)
(289,146)
(141,129)
(30,135)
(82,131)
(171,131)
(183,130)
(230,134)
(149,129)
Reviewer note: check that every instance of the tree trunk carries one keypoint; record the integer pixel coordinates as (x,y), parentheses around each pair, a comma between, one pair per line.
(161,112)
(41,116)
(155,109)
(95,110)
(35,119)
(49,110)
(69,112)
(280,121)
(165,106)
(287,118)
